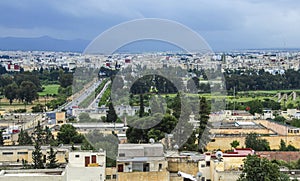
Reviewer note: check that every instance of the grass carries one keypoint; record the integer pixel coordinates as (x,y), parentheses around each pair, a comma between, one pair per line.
(50,89)
(246,96)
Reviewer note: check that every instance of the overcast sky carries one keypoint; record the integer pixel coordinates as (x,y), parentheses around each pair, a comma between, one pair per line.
(236,24)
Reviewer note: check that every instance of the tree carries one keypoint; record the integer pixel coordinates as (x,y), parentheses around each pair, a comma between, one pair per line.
(255,106)
(176,106)
(84,117)
(166,125)
(111,115)
(234,144)
(49,138)
(190,144)
(291,148)
(28,91)
(52,159)
(136,135)
(193,84)
(68,134)
(257,144)
(24,138)
(37,155)
(39,134)
(204,116)
(86,145)
(10,92)
(257,169)
(280,119)
(38,108)
(142,107)
(282,146)
(65,79)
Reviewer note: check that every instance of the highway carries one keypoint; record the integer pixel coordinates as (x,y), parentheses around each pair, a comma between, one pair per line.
(81,96)
(94,104)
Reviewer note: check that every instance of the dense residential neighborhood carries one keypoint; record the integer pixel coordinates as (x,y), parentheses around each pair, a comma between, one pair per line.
(137,90)
(61,128)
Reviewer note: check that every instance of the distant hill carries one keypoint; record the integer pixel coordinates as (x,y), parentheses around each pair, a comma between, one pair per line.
(44,43)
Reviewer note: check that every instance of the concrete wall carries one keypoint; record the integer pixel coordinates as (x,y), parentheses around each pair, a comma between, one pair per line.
(85,173)
(111,171)
(144,176)
(223,143)
(186,167)
(226,176)
(233,163)
(279,128)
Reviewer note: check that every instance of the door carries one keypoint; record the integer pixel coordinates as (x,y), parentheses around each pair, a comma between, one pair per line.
(94,159)
(120,168)
(87,160)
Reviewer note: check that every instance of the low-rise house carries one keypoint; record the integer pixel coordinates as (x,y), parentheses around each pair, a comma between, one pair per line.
(223,166)
(83,162)
(141,162)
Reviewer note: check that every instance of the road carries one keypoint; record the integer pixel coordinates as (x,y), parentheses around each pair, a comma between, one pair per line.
(80,96)
(94,104)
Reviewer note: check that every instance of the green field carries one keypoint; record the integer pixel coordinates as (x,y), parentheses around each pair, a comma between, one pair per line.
(49,89)
(246,96)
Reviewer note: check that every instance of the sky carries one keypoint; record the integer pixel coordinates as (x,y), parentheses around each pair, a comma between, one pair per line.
(224,24)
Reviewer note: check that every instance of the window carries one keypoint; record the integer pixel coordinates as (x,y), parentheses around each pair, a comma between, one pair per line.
(114,176)
(121,154)
(208,163)
(159,167)
(76,156)
(108,177)
(7,153)
(22,153)
(146,167)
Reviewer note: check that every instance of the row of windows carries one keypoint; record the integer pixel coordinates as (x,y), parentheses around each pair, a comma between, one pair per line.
(108,177)
(11,153)
(293,131)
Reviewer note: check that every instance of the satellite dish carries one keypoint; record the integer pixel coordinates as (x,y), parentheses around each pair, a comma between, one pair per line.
(176,147)
(219,154)
(151,140)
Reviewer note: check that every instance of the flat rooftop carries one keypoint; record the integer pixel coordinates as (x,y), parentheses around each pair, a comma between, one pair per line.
(32,172)
(237,125)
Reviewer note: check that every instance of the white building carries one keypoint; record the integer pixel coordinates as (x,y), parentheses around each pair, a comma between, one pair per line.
(82,166)
(81,163)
